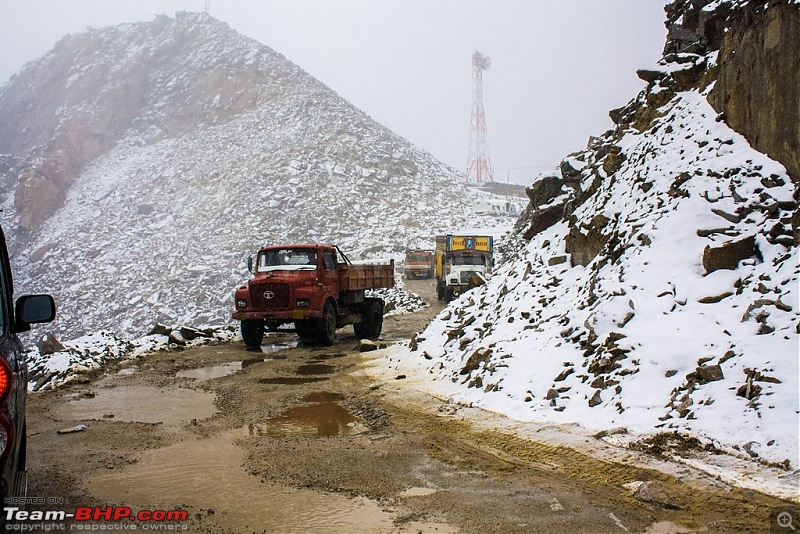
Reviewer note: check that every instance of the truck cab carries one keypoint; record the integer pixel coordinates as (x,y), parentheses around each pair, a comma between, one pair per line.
(419,264)
(462,263)
(313,287)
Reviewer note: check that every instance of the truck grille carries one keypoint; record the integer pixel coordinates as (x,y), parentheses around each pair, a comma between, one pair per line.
(270,296)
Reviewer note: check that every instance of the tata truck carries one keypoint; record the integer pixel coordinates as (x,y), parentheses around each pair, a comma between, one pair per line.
(462,263)
(419,264)
(313,287)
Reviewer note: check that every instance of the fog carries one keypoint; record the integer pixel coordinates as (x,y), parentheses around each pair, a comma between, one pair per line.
(558,66)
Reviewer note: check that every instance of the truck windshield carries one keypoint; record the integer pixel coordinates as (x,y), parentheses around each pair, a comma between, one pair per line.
(468,260)
(417,258)
(287,259)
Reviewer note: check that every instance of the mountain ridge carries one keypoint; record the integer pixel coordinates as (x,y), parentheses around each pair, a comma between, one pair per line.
(155,228)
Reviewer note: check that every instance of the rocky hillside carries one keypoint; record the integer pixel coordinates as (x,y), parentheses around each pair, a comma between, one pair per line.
(654,280)
(142,163)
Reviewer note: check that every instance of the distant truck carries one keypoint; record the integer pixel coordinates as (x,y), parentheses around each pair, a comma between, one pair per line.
(420,264)
(315,288)
(462,263)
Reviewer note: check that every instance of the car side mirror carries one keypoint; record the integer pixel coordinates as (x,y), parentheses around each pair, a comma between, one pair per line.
(250,264)
(31,309)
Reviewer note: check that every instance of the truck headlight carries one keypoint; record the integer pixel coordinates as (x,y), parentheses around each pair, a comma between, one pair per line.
(241,303)
(302,303)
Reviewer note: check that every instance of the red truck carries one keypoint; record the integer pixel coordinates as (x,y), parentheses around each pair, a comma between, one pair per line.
(313,286)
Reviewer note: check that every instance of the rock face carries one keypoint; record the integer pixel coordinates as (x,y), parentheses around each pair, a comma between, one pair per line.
(758,88)
(78,101)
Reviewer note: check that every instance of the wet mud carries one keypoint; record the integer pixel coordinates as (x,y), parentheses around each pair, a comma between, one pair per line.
(297,438)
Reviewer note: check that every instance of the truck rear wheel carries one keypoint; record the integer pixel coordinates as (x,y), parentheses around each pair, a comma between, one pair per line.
(439,291)
(326,327)
(252,332)
(371,321)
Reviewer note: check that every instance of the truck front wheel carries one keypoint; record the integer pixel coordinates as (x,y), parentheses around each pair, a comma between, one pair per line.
(448,294)
(371,320)
(305,328)
(252,332)
(326,327)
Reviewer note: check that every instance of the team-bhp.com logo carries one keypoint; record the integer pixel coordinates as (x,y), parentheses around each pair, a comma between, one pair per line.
(86,518)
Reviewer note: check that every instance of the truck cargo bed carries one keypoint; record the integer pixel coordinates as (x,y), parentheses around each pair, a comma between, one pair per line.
(366,276)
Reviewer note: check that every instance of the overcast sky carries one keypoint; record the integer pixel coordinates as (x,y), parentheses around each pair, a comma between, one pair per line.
(558,66)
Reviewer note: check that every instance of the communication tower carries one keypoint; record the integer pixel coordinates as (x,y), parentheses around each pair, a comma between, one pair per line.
(479,166)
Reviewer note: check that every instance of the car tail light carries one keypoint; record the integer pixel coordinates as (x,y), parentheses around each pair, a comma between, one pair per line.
(6,428)
(6,379)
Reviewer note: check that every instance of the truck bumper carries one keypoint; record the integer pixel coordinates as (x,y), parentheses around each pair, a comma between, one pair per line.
(297,314)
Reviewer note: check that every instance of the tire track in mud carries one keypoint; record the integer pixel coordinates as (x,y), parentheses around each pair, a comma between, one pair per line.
(710,506)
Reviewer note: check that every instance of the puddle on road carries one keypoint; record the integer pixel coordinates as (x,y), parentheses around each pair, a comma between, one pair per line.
(208,475)
(207,373)
(315,369)
(321,419)
(143,404)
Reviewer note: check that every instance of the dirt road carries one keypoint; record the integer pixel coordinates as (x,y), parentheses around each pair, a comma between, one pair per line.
(297,438)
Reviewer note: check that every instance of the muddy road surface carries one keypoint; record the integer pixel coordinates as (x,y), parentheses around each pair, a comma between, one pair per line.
(298,438)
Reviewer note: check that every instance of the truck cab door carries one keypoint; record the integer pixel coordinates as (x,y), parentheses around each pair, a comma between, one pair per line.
(328,277)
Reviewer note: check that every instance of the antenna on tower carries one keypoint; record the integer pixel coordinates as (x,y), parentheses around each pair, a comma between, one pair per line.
(479,166)
(207,6)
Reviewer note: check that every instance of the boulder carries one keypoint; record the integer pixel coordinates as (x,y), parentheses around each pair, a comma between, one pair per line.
(706,373)
(545,190)
(596,399)
(728,255)
(541,220)
(160,330)
(367,345)
(188,333)
(176,338)
(48,344)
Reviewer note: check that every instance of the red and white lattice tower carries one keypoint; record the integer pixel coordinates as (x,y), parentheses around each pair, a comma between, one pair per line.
(479,166)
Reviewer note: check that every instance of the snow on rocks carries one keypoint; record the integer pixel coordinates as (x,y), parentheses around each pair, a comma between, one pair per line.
(50,367)
(664,300)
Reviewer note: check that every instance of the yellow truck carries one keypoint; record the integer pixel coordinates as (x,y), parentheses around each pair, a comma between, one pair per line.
(462,263)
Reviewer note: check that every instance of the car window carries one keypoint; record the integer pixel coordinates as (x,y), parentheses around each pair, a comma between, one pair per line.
(329,261)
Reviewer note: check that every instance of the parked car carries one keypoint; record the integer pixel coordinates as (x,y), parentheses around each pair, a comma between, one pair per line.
(15,317)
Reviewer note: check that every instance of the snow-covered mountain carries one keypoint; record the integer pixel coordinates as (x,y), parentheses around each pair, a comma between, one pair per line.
(653,283)
(146,161)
